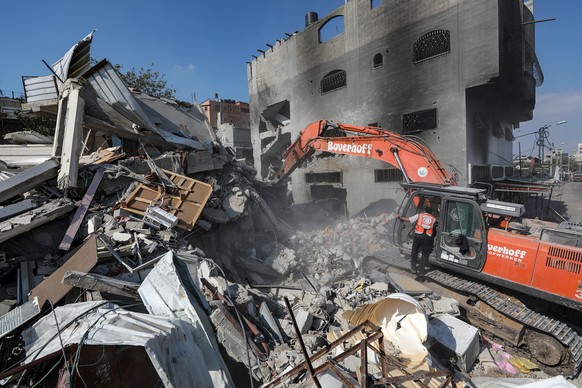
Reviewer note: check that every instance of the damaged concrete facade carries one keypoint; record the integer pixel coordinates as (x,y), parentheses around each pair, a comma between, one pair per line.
(460,75)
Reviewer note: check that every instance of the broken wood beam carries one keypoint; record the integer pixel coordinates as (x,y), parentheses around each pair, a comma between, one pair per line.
(81,211)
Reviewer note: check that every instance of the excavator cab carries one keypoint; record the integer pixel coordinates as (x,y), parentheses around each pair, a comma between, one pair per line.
(460,238)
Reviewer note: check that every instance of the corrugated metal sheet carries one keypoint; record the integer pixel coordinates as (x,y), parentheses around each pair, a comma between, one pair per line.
(168,342)
(21,314)
(108,98)
(40,88)
(76,61)
(168,290)
(182,121)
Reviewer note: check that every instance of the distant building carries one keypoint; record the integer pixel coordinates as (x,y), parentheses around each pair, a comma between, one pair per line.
(231,121)
(226,112)
(8,119)
(579,149)
(460,75)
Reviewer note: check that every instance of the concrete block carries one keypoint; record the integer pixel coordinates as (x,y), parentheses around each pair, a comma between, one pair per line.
(454,340)
(304,320)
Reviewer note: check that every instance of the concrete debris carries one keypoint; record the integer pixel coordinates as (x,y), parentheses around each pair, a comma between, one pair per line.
(235,282)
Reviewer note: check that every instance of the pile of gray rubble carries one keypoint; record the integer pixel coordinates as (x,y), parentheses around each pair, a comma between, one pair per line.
(162,269)
(135,250)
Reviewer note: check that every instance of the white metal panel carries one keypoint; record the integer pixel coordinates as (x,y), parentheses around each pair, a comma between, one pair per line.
(168,342)
(40,88)
(76,61)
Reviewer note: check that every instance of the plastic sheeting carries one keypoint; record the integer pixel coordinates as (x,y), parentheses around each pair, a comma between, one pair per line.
(403,322)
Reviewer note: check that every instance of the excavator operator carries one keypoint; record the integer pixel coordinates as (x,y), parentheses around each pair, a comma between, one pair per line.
(423,233)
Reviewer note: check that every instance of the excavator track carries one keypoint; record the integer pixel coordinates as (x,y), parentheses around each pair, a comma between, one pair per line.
(567,337)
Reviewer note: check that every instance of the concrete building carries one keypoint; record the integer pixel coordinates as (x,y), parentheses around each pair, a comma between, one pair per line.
(459,74)
(231,121)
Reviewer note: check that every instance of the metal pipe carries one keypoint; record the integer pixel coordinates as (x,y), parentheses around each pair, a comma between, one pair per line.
(303,348)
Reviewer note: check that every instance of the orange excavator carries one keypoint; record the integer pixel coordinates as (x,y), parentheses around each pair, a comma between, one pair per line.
(483,239)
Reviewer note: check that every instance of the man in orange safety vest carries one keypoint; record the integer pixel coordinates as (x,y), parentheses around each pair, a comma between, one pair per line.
(424,229)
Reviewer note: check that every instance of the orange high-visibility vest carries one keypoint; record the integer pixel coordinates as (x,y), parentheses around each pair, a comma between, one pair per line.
(425,224)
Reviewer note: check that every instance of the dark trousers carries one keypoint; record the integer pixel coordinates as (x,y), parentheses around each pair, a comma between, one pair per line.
(423,243)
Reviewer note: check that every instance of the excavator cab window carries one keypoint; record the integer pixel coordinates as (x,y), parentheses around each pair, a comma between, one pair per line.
(411,206)
(461,240)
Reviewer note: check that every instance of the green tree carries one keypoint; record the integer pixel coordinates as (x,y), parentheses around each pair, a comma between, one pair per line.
(148,81)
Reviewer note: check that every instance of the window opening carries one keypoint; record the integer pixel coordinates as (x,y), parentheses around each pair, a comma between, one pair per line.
(375,3)
(419,121)
(333,80)
(378,60)
(388,175)
(323,177)
(332,28)
(432,44)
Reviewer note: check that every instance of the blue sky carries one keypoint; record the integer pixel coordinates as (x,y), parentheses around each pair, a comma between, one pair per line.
(202,47)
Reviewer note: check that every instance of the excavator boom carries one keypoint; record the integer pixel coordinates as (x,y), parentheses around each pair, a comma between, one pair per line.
(410,155)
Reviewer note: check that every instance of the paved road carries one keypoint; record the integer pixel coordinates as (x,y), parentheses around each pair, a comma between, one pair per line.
(567,200)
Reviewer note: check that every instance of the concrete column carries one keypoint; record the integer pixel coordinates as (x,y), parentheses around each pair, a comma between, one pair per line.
(69,132)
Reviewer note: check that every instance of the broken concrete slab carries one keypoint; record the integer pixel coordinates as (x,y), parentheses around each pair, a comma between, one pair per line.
(96,282)
(16,208)
(34,218)
(28,179)
(407,285)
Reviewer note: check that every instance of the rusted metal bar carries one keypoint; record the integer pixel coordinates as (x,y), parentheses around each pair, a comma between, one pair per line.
(340,374)
(236,324)
(382,354)
(303,348)
(327,348)
(363,363)
(251,326)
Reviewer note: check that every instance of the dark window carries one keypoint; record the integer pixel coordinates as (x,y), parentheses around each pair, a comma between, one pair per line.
(378,60)
(332,28)
(217,108)
(419,121)
(375,3)
(388,175)
(432,44)
(333,80)
(323,177)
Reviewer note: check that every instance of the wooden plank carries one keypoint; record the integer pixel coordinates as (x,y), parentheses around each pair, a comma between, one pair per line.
(52,288)
(186,204)
(81,211)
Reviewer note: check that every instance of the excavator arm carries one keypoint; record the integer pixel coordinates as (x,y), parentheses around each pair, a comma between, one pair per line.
(410,155)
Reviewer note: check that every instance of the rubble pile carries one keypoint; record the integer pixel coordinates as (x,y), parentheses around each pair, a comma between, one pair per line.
(159,262)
